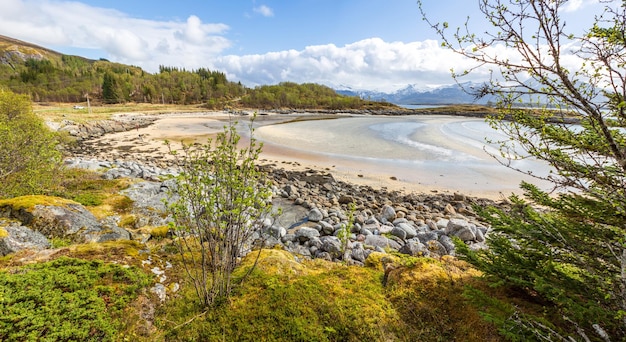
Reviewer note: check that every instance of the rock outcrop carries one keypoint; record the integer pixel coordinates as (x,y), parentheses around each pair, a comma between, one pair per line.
(55,217)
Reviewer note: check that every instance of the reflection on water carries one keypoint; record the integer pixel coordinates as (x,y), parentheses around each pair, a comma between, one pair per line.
(437,150)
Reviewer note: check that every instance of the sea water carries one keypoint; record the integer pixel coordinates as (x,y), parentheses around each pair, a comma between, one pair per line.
(447,151)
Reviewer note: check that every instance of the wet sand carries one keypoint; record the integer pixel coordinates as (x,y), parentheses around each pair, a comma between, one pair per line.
(199,127)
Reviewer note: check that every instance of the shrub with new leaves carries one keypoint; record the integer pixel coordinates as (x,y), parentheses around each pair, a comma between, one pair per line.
(223,200)
(29,155)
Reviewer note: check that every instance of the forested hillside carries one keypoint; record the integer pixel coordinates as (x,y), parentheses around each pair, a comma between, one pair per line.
(48,76)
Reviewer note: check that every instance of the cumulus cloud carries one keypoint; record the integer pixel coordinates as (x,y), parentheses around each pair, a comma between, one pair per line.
(366,64)
(264,11)
(372,64)
(147,43)
(575,5)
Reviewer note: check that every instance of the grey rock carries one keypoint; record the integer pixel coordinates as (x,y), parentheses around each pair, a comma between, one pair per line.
(388,213)
(414,248)
(410,231)
(326,228)
(462,229)
(304,234)
(424,237)
(289,237)
(324,255)
(332,245)
(442,223)
(385,229)
(358,253)
(19,238)
(277,231)
(112,233)
(381,241)
(315,215)
(479,235)
(315,242)
(437,248)
(399,232)
(447,242)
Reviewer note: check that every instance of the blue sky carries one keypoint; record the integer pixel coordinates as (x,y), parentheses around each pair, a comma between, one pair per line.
(365,44)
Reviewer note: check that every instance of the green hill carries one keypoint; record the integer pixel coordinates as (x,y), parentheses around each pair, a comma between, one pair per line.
(49,76)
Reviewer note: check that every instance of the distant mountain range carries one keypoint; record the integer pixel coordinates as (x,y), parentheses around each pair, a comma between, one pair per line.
(414,95)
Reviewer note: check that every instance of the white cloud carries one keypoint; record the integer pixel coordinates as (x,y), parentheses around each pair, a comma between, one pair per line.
(264,11)
(147,43)
(367,64)
(575,5)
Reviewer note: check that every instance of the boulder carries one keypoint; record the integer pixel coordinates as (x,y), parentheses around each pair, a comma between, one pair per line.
(447,242)
(414,248)
(305,233)
(399,232)
(462,229)
(315,215)
(331,245)
(435,247)
(381,241)
(388,213)
(14,237)
(53,217)
(408,229)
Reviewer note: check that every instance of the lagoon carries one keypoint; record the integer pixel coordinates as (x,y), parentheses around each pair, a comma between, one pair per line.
(408,152)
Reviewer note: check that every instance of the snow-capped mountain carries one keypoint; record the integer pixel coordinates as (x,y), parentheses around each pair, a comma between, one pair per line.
(415,94)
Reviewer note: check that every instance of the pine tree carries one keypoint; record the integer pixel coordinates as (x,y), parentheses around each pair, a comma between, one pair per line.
(565,248)
(110,91)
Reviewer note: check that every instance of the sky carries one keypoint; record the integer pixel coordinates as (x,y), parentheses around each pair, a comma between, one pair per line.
(381,45)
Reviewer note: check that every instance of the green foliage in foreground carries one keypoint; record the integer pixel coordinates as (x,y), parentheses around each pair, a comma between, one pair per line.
(561,259)
(223,200)
(66,300)
(287,300)
(29,157)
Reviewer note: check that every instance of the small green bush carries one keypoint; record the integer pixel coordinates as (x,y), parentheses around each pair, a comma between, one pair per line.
(66,300)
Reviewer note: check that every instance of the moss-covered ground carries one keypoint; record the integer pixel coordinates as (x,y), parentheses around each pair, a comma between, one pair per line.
(101,292)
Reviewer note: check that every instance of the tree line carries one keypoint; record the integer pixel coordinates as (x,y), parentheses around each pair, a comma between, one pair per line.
(67,78)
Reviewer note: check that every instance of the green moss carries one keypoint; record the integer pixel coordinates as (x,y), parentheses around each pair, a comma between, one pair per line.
(58,242)
(128,221)
(159,232)
(67,300)
(28,202)
(89,199)
(429,296)
(284,300)
(110,250)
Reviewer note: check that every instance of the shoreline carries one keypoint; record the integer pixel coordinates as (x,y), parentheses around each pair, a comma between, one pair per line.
(147,142)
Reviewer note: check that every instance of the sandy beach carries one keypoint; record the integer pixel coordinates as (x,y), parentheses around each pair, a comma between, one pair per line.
(198,127)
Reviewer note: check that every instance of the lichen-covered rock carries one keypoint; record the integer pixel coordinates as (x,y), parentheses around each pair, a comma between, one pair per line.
(14,237)
(52,217)
(57,217)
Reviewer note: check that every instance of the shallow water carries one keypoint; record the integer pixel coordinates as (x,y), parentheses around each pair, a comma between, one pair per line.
(434,151)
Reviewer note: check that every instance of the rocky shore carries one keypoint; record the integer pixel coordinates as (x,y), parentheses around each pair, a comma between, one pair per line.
(315,208)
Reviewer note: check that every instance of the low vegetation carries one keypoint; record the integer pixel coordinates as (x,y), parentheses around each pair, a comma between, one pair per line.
(29,157)
(67,299)
(288,300)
